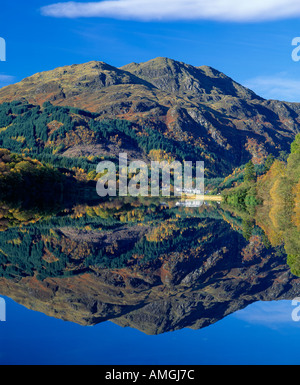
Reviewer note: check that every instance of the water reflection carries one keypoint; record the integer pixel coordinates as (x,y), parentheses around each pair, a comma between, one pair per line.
(151,265)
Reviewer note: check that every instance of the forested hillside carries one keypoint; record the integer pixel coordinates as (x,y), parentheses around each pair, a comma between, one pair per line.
(77,140)
(272,200)
(22,177)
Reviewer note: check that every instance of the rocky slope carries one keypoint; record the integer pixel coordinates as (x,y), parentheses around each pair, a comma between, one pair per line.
(196,105)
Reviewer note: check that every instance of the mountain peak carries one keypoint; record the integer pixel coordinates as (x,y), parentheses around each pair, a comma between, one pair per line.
(87,80)
(204,82)
(69,83)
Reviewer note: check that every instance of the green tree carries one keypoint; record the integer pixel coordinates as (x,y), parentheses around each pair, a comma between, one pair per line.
(268,162)
(247,226)
(250,173)
(283,156)
(295,147)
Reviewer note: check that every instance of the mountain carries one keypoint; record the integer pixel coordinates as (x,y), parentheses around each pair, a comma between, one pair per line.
(199,107)
(192,270)
(204,83)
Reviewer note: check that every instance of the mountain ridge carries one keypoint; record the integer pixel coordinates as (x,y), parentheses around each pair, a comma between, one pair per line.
(193,75)
(198,106)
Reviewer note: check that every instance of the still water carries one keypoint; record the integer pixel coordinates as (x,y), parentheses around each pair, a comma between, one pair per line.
(263,333)
(147,283)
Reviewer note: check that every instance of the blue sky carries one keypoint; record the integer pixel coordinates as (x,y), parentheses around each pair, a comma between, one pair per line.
(249,41)
(262,333)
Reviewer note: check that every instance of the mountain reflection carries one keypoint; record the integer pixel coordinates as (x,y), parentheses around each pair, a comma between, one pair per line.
(151,265)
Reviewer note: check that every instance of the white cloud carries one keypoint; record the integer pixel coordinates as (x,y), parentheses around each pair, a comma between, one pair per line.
(279,87)
(160,10)
(270,314)
(6,80)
